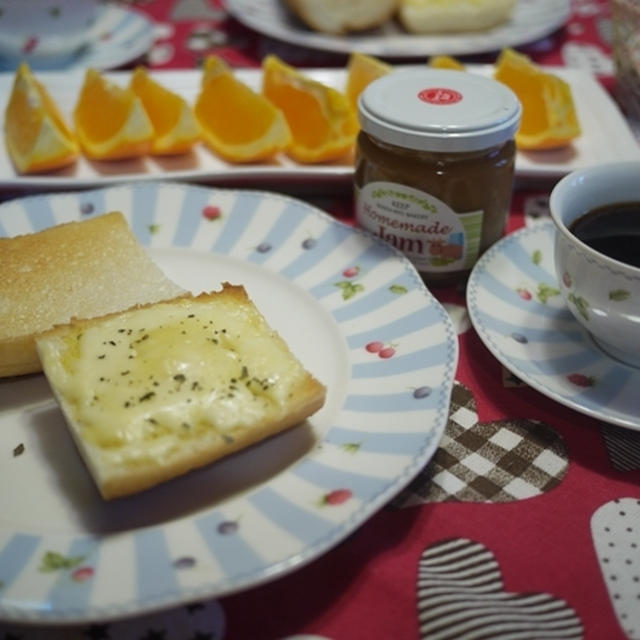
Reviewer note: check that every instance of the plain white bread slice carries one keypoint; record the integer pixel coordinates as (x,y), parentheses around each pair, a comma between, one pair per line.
(155,391)
(442,16)
(78,269)
(340,16)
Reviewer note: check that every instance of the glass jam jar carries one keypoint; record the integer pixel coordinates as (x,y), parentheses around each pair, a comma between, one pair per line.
(434,166)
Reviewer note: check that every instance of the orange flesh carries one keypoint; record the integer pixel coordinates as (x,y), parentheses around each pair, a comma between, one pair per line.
(162,106)
(548,114)
(308,124)
(529,90)
(26,121)
(241,118)
(103,111)
(361,71)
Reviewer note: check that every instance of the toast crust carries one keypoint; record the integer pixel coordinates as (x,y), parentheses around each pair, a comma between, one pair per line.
(218,425)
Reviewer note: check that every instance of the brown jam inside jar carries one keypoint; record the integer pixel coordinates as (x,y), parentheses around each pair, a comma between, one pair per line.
(434,166)
(466,181)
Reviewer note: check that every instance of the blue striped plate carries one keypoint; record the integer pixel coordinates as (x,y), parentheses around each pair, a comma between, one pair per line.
(329,290)
(515,305)
(123,35)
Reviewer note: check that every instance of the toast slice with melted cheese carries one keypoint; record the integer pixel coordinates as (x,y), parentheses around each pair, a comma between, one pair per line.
(157,390)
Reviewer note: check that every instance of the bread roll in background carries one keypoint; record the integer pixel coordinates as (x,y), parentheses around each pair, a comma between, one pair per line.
(450,16)
(78,269)
(343,16)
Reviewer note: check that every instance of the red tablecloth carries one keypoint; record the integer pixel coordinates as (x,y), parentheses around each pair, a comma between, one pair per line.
(382,582)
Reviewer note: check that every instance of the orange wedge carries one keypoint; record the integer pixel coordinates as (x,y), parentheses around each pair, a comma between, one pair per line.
(175,127)
(322,122)
(549,118)
(362,69)
(36,135)
(237,123)
(445,62)
(110,121)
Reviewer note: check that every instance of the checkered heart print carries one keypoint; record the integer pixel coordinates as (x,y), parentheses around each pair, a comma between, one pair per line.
(498,461)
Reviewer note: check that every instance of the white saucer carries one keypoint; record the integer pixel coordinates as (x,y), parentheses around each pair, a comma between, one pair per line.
(120,35)
(540,342)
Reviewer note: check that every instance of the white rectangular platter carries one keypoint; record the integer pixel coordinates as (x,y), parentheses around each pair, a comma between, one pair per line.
(606,136)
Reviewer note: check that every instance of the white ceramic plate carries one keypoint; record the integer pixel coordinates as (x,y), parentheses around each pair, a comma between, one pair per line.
(530,20)
(515,305)
(606,137)
(40,28)
(120,36)
(329,290)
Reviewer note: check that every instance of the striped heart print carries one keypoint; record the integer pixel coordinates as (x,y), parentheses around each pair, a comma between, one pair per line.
(623,447)
(461,596)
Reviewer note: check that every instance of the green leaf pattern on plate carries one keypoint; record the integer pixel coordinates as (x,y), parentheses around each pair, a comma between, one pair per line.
(53,561)
(398,289)
(544,292)
(536,256)
(349,289)
(581,305)
(619,295)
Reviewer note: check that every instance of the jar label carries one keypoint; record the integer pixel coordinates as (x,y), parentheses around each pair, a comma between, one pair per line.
(431,234)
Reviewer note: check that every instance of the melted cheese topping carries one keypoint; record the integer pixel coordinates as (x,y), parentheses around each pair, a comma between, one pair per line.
(140,384)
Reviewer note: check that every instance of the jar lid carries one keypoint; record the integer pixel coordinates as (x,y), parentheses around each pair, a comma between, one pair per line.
(439,110)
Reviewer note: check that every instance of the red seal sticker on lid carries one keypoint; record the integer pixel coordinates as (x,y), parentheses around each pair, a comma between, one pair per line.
(408,109)
(440,95)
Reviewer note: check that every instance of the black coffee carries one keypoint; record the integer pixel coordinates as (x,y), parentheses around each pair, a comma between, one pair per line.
(613,230)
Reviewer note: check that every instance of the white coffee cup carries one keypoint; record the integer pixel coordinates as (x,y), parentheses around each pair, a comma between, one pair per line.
(601,292)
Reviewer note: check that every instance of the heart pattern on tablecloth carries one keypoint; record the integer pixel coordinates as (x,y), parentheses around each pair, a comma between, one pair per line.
(623,447)
(460,595)
(615,529)
(498,461)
